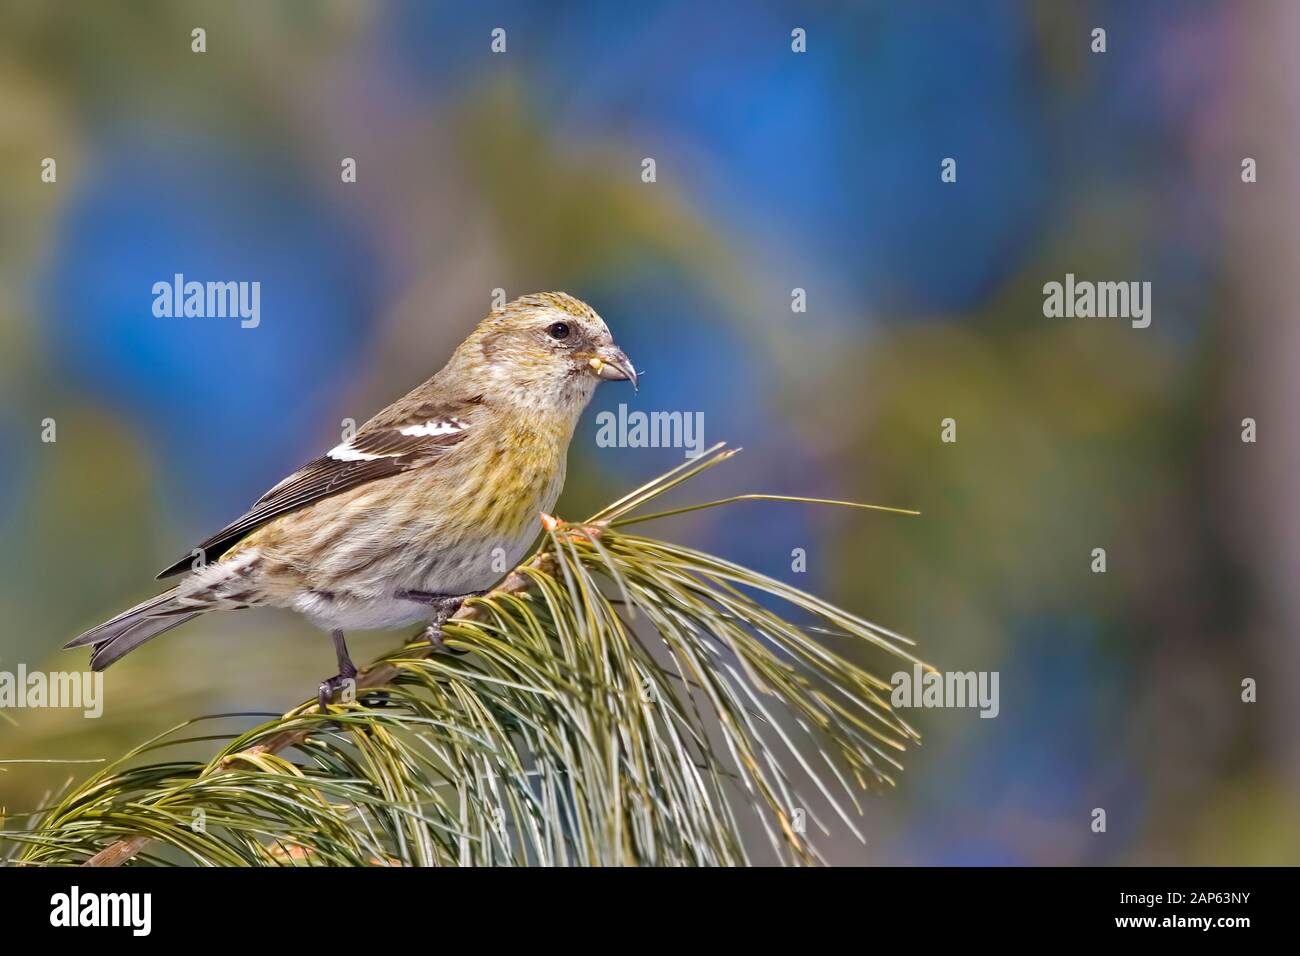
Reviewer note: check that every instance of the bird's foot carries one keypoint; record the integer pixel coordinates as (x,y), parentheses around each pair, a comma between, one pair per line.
(345,681)
(434,636)
(444,606)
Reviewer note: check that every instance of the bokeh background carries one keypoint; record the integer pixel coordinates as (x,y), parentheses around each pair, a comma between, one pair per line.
(775,170)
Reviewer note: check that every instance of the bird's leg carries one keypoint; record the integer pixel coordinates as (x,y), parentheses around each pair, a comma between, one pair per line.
(347,672)
(444,606)
(433,631)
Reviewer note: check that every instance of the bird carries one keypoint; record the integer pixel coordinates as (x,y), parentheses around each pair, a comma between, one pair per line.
(430,502)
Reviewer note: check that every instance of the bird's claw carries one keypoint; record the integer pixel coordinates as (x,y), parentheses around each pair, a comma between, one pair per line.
(433,634)
(338,682)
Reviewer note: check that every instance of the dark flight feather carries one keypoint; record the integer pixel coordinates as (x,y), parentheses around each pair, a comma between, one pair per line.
(448,422)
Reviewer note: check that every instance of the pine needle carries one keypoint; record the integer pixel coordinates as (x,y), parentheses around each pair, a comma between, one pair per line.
(624,701)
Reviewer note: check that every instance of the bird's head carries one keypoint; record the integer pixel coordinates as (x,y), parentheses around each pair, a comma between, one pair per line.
(546,349)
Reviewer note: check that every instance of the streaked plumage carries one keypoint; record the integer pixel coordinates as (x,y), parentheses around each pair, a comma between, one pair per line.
(434,498)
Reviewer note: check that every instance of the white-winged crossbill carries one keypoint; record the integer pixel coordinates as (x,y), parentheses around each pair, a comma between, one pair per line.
(432,499)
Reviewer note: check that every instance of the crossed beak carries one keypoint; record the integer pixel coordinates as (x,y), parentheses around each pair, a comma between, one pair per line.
(611,364)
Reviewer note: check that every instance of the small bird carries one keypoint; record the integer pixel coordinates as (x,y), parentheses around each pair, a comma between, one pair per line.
(432,500)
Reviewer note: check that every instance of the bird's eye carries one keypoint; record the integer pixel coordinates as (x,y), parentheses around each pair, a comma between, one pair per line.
(559,330)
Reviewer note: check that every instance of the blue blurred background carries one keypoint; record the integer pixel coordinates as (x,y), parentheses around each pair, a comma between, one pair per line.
(775,171)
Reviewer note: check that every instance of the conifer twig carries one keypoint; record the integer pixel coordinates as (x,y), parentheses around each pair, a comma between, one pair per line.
(377,675)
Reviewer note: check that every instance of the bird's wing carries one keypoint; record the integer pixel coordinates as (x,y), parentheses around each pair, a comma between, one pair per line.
(386,445)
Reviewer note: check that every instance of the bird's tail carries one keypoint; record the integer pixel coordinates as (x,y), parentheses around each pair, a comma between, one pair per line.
(119,636)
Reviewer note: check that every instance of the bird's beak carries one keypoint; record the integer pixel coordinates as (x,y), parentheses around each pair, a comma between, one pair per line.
(611,364)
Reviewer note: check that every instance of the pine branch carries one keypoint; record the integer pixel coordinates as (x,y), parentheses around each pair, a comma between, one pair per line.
(369,678)
(565,736)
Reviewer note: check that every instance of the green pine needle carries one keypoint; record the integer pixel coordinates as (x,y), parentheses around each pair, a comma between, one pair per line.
(624,701)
